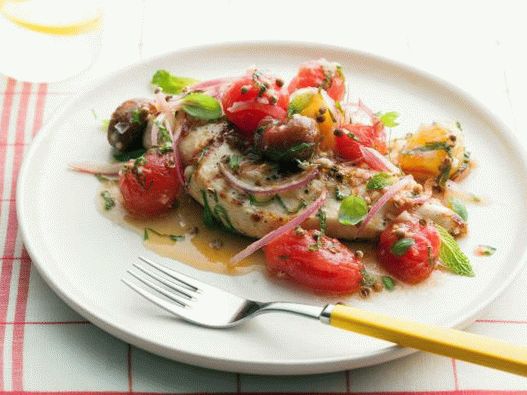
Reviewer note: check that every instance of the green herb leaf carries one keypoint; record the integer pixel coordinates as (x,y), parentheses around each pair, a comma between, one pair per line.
(217,216)
(170,83)
(401,246)
(290,153)
(298,103)
(136,116)
(485,250)
(202,106)
(388,282)
(234,162)
(339,195)
(433,146)
(452,256)
(208,216)
(109,201)
(281,202)
(126,156)
(458,125)
(458,207)
(352,210)
(379,181)
(104,124)
(322,221)
(389,119)
(255,202)
(368,279)
(160,234)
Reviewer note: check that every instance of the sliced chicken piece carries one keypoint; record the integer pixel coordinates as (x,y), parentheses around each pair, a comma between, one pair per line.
(204,148)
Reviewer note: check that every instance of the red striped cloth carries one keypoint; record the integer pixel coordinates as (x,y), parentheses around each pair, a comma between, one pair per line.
(46,348)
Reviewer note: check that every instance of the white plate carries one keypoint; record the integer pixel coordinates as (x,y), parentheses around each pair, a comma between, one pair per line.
(82,255)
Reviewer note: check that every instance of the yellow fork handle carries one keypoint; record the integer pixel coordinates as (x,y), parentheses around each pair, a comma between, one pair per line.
(453,343)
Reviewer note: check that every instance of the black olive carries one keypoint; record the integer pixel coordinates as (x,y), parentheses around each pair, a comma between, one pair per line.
(128,123)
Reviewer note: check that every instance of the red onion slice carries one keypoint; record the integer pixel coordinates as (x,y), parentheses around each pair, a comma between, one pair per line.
(213,87)
(105,169)
(297,221)
(306,177)
(166,109)
(375,160)
(388,195)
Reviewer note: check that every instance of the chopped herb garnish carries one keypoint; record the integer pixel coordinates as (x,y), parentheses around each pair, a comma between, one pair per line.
(388,282)
(458,207)
(401,246)
(458,125)
(217,216)
(485,250)
(451,254)
(202,106)
(433,146)
(379,181)
(352,210)
(109,201)
(208,216)
(290,153)
(170,83)
(389,119)
(255,202)
(368,279)
(103,178)
(160,234)
(136,116)
(126,156)
(444,173)
(322,219)
(234,162)
(281,202)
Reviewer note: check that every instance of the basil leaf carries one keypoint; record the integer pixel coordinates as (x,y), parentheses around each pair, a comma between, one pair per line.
(452,256)
(202,106)
(298,103)
(171,83)
(389,119)
(401,246)
(458,207)
(379,181)
(126,156)
(352,210)
(388,282)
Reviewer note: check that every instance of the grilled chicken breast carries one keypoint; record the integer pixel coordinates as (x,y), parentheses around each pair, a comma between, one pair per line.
(205,149)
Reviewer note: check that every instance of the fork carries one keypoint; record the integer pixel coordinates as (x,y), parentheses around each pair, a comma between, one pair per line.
(208,306)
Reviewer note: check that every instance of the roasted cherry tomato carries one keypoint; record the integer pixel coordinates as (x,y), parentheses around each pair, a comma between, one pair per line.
(350,137)
(409,250)
(149,185)
(320,74)
(327,266)
(250,99)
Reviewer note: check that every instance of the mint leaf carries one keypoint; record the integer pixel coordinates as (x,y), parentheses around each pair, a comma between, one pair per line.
(401,246)
(458,207)
(379,181)
(388,282)
(170,83)
(298,103)
(202,106)
(352,210)
(452,256)
(389,119)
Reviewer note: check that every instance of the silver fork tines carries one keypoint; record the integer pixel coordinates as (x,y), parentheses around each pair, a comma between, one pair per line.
(201,303)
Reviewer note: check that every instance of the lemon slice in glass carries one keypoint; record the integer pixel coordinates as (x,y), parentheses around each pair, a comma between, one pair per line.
(61,17)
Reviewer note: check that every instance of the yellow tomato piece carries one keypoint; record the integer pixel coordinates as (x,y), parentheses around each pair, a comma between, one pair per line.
(424,153)
(326,125)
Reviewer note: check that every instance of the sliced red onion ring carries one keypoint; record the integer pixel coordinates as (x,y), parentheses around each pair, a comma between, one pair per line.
(306,177)
(379,204)
(375,160)
(166,109)
(297,221)
(213,87)
(105,169)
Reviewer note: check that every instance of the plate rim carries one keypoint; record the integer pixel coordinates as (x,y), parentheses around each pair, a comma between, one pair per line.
(242,365)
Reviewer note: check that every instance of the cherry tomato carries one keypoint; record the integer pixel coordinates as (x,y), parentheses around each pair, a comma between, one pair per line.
(350,137)
(149,185)
(320,74)
(409,250)
(331,268)
(250,99)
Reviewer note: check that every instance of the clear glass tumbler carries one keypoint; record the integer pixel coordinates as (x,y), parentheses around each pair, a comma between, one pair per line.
(48,40)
